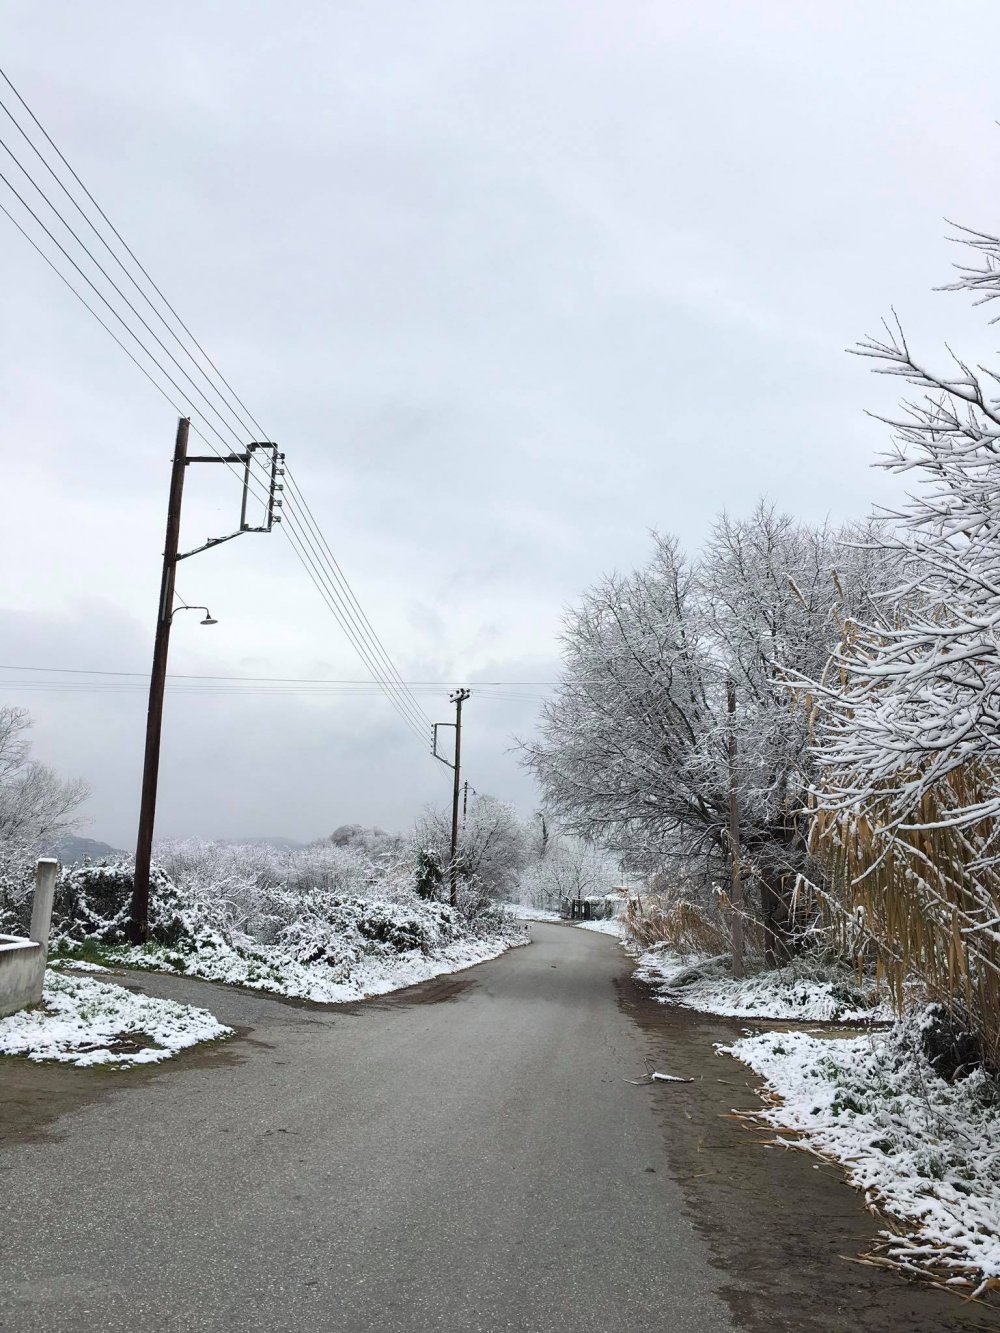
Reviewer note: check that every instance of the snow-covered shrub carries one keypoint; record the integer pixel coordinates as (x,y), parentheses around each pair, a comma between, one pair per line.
(429,875)
(17,880)
(342,930)
(92,904)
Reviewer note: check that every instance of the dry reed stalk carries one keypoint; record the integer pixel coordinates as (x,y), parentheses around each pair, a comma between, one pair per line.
(684,927)
(927,898)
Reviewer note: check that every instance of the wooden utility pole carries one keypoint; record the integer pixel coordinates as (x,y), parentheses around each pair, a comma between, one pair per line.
(139,914)
(458,698)
(736,885)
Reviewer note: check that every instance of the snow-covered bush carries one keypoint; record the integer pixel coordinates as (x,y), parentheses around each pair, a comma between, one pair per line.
(332,904)
(17,881)
(340,930)
(92,904)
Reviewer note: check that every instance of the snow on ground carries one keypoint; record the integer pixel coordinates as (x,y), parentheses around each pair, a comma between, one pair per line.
(609,927)
(792,993)
(85,1022)
(523,913)
(924,1149)
(270,970)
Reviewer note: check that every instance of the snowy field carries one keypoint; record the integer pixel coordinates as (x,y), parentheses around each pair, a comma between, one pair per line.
(523,913)
(86,1022)
(791,993)
(923,1149)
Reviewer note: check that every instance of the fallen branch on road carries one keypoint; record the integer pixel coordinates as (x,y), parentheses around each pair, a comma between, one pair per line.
(654,1076)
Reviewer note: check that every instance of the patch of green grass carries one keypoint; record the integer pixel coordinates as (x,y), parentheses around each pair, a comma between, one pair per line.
(88,952)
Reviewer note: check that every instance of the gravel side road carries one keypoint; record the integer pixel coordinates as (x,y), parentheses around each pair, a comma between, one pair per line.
(466,1156)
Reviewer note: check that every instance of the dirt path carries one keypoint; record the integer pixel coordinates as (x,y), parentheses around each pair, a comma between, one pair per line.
(781,1224)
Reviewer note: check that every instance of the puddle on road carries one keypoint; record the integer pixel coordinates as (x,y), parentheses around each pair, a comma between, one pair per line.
(33,1096)
(782,1227)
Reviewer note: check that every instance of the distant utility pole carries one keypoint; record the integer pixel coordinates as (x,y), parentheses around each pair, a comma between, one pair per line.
(458,698)
(736,885)
(139,911)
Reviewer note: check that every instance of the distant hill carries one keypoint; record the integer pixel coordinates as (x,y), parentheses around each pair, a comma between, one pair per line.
(70,849)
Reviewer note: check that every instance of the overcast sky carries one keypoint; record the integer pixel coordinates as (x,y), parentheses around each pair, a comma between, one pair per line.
(512,283)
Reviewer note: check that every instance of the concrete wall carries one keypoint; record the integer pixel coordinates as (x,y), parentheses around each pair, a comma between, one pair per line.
(22,970)
(22,961)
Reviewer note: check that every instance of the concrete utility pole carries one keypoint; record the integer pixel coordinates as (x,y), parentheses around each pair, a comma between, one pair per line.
(458,698)
(139,923)
(736,885)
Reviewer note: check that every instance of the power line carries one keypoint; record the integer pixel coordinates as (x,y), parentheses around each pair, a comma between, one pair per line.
(103,271)
(296,491)
(302,530)
(360,633)
(317,579)
(362,642)
(261,691)
(128,249)
(284,680)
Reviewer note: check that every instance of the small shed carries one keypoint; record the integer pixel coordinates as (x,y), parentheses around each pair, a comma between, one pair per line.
(594,907)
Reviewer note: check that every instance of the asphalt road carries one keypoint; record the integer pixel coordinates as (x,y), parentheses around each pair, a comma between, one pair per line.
(467,1158)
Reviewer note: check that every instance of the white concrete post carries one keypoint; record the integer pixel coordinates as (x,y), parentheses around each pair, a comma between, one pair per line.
(41,907)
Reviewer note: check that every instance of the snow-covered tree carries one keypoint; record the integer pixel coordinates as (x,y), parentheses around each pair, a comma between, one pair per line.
(35,805)
(633,749)
(569,868)
(908,716)
(492,844)
(915,692)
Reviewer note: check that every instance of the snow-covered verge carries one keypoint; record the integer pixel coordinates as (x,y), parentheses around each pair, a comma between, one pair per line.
(276,970)
(610,927)
(84,1022)
(801,991)
(324,927)
(924,1149)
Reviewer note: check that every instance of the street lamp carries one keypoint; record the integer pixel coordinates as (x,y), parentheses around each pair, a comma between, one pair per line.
(208,615)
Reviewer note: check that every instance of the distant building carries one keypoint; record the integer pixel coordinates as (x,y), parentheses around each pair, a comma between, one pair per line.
(594,907)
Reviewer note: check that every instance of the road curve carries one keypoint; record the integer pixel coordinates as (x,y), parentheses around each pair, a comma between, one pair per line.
(467,1157)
